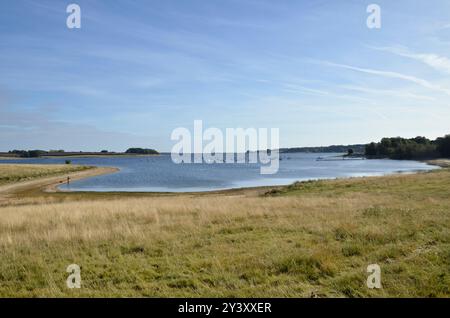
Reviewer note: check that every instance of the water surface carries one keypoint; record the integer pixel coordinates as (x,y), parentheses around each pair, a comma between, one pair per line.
(160,174)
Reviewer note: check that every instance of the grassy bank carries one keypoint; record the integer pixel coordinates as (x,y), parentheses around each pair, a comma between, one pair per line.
(309,239)
(10,173)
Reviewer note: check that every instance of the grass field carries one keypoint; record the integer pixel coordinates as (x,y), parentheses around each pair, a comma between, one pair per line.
(312,239)
(21,172)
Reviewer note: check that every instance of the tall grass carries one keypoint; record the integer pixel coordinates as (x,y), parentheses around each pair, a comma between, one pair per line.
(10,173)
(308,240)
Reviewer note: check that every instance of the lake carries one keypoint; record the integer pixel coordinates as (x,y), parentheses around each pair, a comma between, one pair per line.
(160,174)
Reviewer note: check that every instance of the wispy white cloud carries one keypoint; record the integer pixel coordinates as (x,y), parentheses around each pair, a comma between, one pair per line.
(307,90)
(293,87)
(440,63)
(388,92)
(390,74)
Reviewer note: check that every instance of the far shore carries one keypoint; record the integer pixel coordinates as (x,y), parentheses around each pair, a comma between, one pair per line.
(122,155)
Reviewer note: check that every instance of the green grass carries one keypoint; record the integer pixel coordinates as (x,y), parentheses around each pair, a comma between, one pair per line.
(11,173)
(312,239)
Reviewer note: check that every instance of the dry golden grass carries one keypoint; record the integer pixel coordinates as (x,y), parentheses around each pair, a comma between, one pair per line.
(10,173)
(309,239)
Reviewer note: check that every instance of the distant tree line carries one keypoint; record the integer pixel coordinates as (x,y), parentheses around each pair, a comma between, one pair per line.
(359,148)
(39,153)
(28,153)
(142,151)
(413,148)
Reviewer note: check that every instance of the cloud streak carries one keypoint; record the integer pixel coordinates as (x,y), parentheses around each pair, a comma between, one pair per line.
(388,92)
(389,74)
(439,63)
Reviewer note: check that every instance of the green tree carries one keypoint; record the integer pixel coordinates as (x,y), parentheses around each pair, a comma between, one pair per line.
(443,146)
(371,149)
(142,151)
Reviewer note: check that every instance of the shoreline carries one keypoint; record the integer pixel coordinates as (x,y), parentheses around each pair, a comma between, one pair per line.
(50,184)
(442,163)
(238,189)
(93,172)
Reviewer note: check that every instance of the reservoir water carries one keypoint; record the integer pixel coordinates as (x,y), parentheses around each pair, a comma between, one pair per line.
(160,174)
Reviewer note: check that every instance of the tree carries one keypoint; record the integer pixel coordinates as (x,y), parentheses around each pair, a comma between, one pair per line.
(371,149)
(142,151)
(422,140)
(36,153)
(443,146)
(402,148)
(349,152)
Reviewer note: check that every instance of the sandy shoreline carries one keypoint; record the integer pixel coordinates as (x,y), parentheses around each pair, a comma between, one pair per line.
(443,163)
(96,171)
(50,184)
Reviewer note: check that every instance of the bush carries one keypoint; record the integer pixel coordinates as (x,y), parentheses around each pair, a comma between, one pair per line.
(36,153)
(142,151)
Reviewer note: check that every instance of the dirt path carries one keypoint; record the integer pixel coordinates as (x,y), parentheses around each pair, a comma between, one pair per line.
(50,184)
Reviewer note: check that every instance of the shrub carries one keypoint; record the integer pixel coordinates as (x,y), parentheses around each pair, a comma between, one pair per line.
(142,151)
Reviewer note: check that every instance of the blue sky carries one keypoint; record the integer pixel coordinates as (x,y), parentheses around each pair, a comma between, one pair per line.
(136,70)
